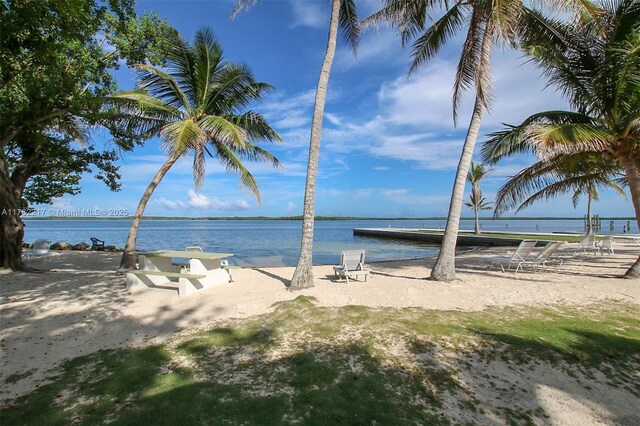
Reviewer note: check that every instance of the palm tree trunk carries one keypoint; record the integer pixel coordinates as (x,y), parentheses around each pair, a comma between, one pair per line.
(445,267)
(303,275)
(589,226)
(633,176)
(129,258)
(477,221)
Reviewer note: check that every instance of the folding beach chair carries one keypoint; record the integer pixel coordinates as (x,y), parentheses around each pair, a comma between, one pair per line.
(351,265)
(40,250)
(544,257)
(519,257)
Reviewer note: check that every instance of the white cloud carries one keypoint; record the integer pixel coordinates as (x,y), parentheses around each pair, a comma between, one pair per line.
(310,14)
(169,204)
(290,206)
(62,203)
(333,119)
(380,168)
(202,202)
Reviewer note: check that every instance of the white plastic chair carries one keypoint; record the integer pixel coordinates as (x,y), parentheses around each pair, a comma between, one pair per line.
(40,250)
(587,242)
(606,243)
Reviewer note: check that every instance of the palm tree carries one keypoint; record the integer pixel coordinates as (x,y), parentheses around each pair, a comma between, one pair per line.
(343,15)
(581,174)
(597,66)
(476,200)
(486,21)
(196,107)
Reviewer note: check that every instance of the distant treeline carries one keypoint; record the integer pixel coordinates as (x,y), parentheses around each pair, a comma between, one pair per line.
(319,218)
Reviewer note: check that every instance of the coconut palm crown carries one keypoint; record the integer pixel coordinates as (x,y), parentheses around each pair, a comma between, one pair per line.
(197,106)
(596,65)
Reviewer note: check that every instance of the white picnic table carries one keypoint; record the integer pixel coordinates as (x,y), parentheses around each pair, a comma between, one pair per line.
(157,271)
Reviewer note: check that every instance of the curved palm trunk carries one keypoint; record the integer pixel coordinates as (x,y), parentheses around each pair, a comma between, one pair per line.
(633,176)
(129,258)
(303,275)
(445,267)
(589,223)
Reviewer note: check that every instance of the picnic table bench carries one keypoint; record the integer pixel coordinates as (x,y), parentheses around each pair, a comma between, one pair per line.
(157,271)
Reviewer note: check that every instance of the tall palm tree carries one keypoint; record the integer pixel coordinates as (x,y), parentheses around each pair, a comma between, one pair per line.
(343,15)
(196,107)
(487,22)
(597,66)
(581,174)
(476,200)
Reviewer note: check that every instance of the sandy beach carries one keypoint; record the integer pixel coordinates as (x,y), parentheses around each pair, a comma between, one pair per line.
(77,304)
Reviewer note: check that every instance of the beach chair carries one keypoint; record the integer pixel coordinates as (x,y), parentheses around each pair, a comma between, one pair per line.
(40,250)
(351,265)
(543,258)
(606,243)
(519,257)
(587,242)
(96,244)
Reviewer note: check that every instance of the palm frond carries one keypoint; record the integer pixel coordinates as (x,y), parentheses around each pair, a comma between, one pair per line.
(198,166)
(241,6)
(520,138)
(208,55)
(233,164)
(349,24)
(436,36)
(222,130)
(181,136)
(161,85)
(469,63)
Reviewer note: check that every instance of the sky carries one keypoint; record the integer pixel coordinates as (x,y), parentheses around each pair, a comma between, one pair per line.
(389,145)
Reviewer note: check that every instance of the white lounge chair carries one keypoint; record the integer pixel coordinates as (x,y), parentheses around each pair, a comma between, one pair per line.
(520,256)
(587,242)
(606,243)
(543,258)
(40,250)
(351,265)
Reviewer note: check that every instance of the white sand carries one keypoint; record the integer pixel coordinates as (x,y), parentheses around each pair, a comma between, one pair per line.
(80,305)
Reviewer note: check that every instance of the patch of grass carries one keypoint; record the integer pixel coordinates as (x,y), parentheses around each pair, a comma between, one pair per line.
(351,365)
(13,378)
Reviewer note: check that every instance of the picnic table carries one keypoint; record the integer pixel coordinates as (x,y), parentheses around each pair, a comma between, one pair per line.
(158,271)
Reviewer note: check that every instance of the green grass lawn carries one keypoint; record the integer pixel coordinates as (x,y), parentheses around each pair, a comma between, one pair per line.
(351,365)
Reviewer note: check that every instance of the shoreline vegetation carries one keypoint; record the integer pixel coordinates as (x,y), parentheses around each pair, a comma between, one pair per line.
(320,218)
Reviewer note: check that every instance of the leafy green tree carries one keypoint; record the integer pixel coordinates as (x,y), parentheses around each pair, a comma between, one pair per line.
(597,66)
(476,200)
(343,15)
(56,59)
(196,108)
(486,22)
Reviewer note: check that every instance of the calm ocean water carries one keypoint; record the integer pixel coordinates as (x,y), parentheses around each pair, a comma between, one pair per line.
(273,242)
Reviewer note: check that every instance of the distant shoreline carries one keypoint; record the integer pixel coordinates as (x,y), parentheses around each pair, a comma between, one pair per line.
(318,218)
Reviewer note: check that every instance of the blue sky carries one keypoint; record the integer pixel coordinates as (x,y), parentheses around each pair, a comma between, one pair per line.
(389,147)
